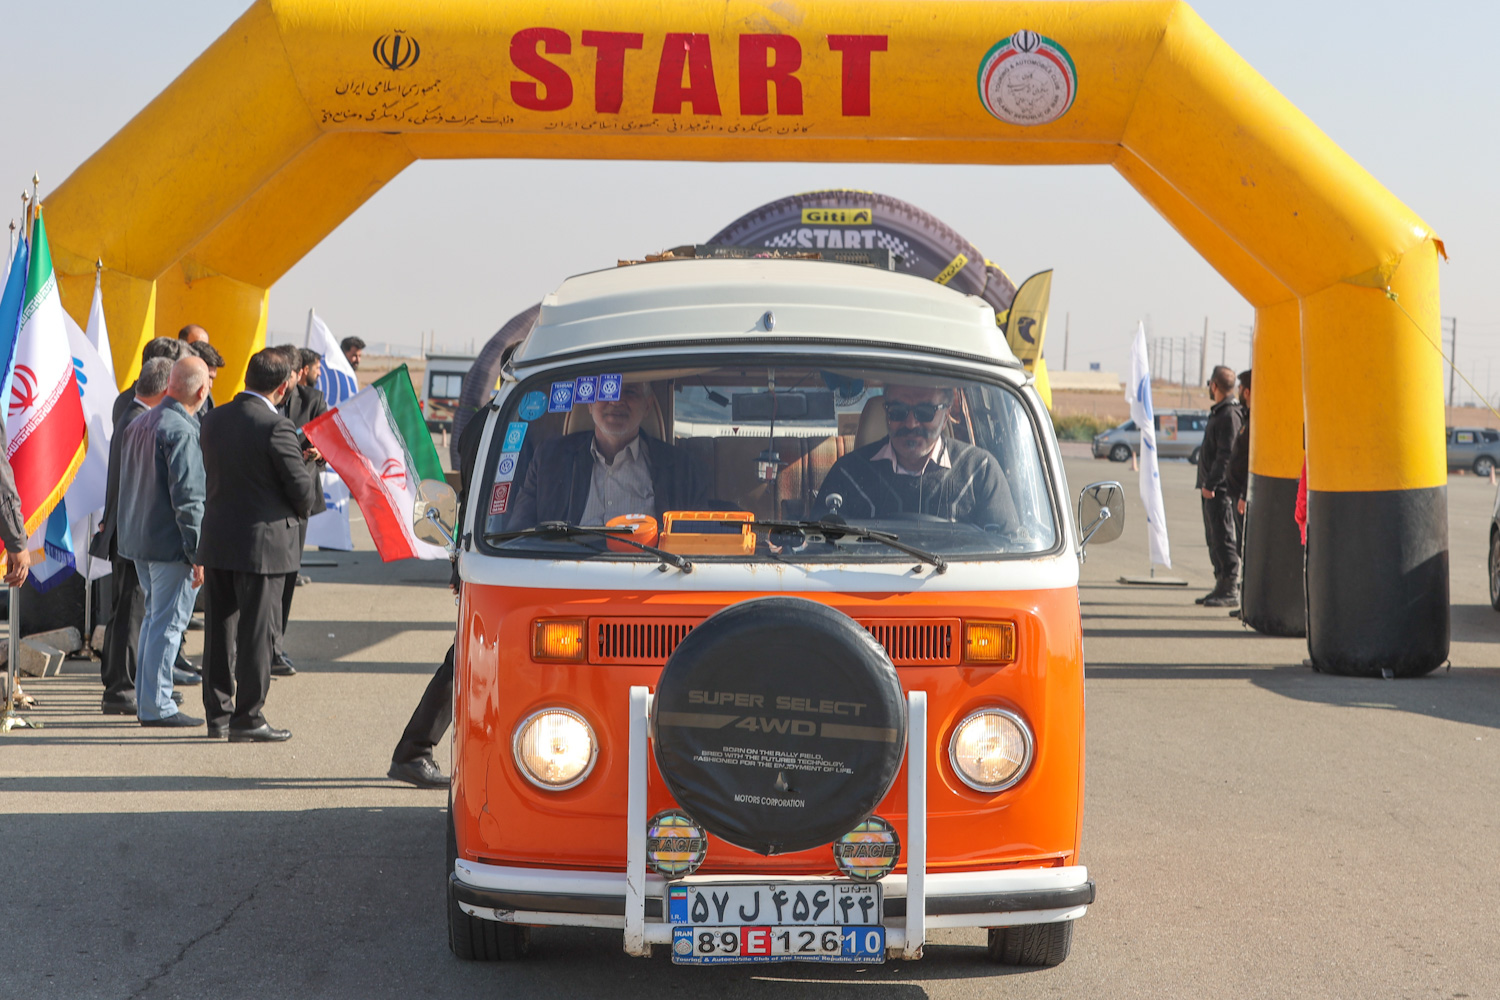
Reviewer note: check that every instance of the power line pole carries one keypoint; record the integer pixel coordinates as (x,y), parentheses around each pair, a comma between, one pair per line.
(1223,346)
(1452,358)
(1067,329)
(1203,354)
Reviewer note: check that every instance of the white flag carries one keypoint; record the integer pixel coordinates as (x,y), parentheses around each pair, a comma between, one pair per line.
(98,335)
(337,380)
(330,529)
(1138,394)
(85,498)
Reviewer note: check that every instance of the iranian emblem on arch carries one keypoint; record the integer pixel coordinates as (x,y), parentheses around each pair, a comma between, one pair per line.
(397,50)
(1027,79)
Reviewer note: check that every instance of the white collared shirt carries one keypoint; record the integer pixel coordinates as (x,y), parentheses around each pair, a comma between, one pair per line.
(619,487)
(252,392)
(939,457)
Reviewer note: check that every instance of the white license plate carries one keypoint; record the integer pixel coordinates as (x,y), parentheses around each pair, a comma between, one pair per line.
(864,945)
(775,904)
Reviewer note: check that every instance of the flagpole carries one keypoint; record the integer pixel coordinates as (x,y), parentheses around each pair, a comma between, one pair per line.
(307,337)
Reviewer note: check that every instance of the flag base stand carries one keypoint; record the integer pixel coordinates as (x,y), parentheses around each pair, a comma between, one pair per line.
(8,718)
(1154,581)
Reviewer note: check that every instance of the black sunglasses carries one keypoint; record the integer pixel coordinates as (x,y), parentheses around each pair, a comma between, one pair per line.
(896,413)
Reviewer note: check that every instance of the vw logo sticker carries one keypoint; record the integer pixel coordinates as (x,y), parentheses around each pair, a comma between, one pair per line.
(560,400)
(533,405)
(585,390)
(1027,79)
(609,388)
(505,468)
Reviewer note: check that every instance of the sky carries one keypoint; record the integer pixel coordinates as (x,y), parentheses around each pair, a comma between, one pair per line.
(452,249)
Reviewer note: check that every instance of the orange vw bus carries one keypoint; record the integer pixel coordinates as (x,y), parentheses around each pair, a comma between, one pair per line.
(769,643)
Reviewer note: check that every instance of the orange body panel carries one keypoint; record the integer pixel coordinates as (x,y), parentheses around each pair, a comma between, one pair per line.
(500,818)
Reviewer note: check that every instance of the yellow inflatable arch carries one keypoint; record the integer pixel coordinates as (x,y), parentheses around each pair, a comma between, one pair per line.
(304,108)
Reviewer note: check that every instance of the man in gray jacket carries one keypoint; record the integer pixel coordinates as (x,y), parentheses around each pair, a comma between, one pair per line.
(160,522)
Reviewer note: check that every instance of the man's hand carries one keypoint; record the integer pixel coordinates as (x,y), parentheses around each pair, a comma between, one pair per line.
(197,577)
(312,455)
(17,565)
(1208,494)
(1240,507)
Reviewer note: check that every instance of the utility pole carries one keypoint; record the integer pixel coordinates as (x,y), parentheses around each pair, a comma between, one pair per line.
(1203,355)
(1452,358)
(1067,317)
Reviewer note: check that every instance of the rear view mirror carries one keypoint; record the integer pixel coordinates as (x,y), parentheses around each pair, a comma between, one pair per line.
(434,513)
(755,407)
(1101,513)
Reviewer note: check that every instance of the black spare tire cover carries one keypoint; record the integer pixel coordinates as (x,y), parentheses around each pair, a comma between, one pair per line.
(780,724)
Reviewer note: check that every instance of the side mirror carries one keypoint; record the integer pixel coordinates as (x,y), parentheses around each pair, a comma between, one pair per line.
(434,514)
(1101,514)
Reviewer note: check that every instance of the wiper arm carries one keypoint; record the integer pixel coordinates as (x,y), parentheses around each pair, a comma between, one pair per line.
(601,531)
(835,529)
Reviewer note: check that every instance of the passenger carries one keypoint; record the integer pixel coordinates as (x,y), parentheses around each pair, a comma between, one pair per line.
(589,477)
(916,469)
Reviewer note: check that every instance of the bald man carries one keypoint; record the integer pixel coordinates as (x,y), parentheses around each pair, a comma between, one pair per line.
(193,334)
(161,520)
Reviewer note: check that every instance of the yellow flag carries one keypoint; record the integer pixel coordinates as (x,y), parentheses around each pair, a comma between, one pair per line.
(1025,324)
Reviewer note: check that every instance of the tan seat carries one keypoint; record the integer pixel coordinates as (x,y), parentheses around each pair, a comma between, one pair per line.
(798,484)
(872,425)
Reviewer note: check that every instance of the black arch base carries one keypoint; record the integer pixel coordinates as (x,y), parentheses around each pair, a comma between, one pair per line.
(1377,582)
(1272,600)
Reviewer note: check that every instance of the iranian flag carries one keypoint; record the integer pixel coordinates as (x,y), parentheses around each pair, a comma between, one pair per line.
(377,441)
(47,434)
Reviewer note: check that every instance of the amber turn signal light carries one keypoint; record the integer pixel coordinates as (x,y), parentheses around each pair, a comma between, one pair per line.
(989,642)
(558,640)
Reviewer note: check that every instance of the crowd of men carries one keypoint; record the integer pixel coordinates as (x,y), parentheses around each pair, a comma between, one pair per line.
(210,501)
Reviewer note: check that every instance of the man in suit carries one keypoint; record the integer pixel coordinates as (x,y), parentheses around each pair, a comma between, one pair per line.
(302,403)
(591,476)
(160,347)
(159,524)
(117,665)
(258,492)
(215,361)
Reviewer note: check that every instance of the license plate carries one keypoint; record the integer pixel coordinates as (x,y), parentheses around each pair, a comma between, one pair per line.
(775,904)
(864,945)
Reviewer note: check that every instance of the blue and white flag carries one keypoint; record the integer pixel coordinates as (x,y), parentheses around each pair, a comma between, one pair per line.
(1138,394)
(11,301)
(98,335)
(337,379)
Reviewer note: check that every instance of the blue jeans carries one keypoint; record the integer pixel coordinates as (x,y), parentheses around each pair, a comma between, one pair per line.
(168,587)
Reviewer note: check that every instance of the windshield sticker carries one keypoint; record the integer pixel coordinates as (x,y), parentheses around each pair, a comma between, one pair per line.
(561,399)
(609,388)
(499,499)
(515,433)
(533,404)
(585,390)
(505,469)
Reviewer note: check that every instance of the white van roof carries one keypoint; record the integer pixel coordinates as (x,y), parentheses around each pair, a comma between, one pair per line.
(683,303)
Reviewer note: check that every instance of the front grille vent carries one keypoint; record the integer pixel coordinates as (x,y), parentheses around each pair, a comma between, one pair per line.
(910,642)
(637,640)
(917,642)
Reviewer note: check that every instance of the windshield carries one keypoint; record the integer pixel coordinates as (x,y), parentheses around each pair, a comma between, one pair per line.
(696,458)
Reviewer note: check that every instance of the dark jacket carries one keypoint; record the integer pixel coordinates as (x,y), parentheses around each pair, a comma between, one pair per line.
(258,489)
(122,401)
(161,491)
(1224,422)
(1239,461)
(972,489)
(12,524)
(299,406)
(555,486)
(102,545)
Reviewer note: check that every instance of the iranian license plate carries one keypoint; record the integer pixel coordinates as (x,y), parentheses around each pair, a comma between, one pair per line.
(862,944)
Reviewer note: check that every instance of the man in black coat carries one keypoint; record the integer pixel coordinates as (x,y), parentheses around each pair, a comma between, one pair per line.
(303,402)
(258,492)
(1224,421)
(158,347)
(122,634)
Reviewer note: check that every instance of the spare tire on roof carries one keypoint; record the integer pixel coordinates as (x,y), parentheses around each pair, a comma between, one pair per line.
(921,244)
(780,724)
(480,380)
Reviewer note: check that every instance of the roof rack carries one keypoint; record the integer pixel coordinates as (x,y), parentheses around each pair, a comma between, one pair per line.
(878,258)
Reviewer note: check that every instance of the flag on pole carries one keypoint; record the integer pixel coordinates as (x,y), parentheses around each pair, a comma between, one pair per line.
(337,378)
(98,336)
(10,313)
(378,443)
(48,437)
(1138,394)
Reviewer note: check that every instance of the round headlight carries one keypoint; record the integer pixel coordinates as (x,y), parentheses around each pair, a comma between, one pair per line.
(990,750)
(555,748)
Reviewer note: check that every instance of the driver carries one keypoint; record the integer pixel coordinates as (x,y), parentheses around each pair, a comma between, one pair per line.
(915,469)
(589,477)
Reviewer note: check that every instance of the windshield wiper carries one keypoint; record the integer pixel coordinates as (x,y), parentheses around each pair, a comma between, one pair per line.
(834,529)
(601,531)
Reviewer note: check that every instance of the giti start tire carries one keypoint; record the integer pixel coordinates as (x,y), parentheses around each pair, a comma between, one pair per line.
(1120,453)
(476,940)
(1495,570)
(1031,945)
(780,724)
(1483,466)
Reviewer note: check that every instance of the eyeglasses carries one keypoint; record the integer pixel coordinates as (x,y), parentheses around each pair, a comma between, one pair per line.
(896,413)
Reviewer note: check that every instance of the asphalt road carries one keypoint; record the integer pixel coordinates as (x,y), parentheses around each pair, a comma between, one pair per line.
(1256,830)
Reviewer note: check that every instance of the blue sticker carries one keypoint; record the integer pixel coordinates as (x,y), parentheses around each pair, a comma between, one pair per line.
(561,399)
(585,390)
(514,434)
(609,387)
(505,469)
(532,405)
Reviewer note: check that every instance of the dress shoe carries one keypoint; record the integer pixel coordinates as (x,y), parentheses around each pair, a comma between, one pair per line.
(421,772)
(281,666)
(118,706)
(217,732)
(183,663)
(263,733)
(185,678)
(177,697)
(1229,600)
(177,720)
(303,579)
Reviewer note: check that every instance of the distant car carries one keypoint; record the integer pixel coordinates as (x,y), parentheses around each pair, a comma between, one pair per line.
(1179,434)
(1476,448)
